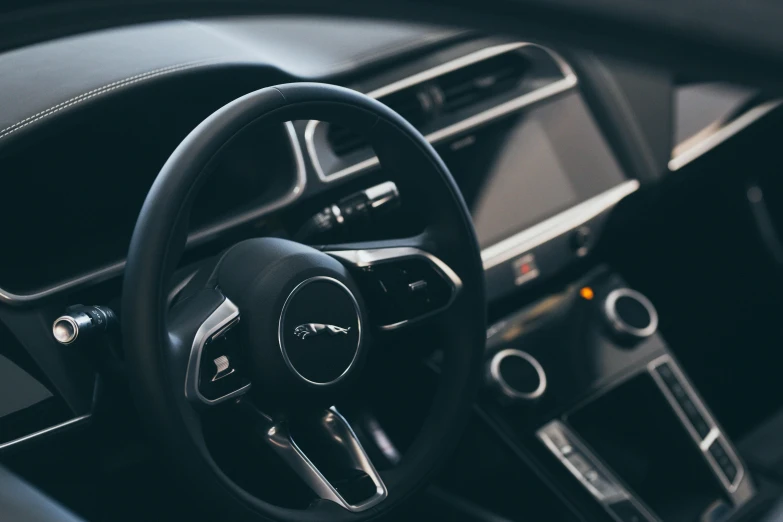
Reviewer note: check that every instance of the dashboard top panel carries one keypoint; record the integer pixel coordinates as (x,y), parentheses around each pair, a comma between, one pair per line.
(541,109)
(89,67)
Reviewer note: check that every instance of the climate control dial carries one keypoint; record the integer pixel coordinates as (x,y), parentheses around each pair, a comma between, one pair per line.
(516,375)
(630,315)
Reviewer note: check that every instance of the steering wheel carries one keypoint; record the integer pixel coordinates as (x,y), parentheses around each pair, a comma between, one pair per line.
(280,331)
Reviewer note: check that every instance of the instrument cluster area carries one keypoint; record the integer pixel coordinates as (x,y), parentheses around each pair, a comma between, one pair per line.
(74,192)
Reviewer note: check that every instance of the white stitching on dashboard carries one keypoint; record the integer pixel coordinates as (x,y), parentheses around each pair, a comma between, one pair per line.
(88,93)
(97,92)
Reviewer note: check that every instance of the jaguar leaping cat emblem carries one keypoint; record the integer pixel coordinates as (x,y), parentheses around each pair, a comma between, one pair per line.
(303,331)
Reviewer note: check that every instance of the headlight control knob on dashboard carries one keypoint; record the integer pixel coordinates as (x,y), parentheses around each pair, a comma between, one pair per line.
(630,315)
(516,375)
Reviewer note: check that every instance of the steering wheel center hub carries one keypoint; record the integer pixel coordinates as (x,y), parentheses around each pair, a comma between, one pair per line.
(300,317)
(320,330)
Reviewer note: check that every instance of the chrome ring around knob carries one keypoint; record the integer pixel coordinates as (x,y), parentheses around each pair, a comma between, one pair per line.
(65,329)
(620,325)
(505,388)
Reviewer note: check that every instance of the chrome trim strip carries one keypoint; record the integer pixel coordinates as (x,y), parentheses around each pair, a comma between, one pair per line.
(370,257)
(619,492)
(224,315)
(530,98)
(556,225)
(279,438)
(568,82)
(544,436)
(115,269)
(464,61)
(696,146)
(508,391)
(281,336)
(51,429)
(102,274)
(714,433)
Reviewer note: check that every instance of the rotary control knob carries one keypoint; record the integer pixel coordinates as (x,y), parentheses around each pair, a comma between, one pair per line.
(83,321)
(630,315)
(516,375)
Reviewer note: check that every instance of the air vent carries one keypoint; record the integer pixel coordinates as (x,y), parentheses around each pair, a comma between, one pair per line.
(443,95)
(481,81)
(416,105)
(449,99)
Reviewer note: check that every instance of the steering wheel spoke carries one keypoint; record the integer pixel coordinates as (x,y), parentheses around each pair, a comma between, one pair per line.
(326,454)
(401,281)
(206,327)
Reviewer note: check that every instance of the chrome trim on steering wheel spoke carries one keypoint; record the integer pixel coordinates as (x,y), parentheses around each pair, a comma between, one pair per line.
(338,431)
(375,256)
(224,316)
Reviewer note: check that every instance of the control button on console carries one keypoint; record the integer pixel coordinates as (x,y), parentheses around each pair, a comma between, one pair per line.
(730,471)
(701,428)
(603,486)
(580,241)
(666,373)
(580,464)
(697,421)
(593,477)
(677,389)
(516,375)
(627,512)
(559,439)
(689,408)
(630,315)
(525,269)
(725,463)
(716,450)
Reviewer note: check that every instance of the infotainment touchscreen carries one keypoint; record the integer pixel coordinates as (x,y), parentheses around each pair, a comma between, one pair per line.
(527,169)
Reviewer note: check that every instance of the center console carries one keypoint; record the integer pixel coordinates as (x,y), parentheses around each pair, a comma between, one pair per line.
(585,382)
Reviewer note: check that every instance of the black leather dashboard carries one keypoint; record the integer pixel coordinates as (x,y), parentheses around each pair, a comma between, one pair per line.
(46,82)
(109,107)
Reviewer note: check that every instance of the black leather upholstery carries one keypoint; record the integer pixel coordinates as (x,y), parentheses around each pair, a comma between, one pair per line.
(87,67)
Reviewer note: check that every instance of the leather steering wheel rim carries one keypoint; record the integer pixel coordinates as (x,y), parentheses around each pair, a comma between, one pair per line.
(159,240)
